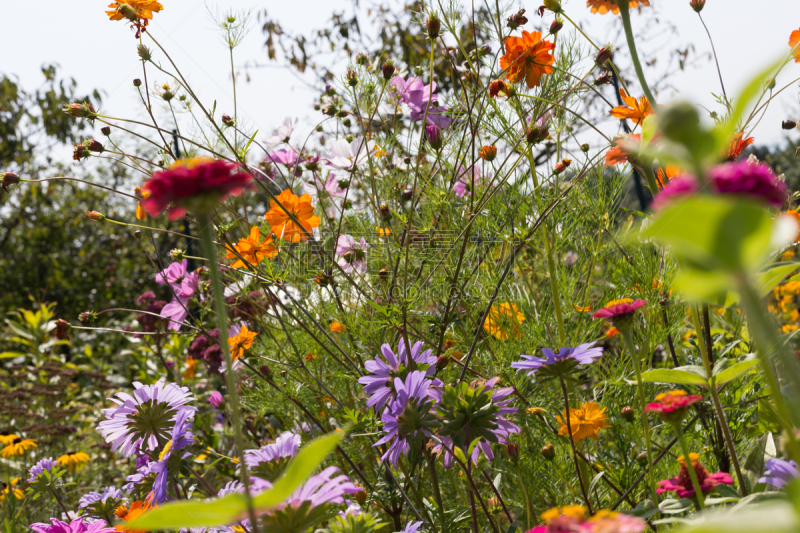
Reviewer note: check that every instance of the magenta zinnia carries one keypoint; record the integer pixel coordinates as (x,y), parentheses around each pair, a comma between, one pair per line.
(682,484)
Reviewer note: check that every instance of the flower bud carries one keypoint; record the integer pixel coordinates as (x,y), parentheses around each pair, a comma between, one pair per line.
(535,134)
(329,91)
(434,25)
(388,69)
(362,59)
(386,213)
(94,146)
(434,136)
(227,120)
(788,124)
(79,110)
(498,88)
(94,216)
(351,78)
(128,12)
(549,452)
(604,54)
(265,371)
(283,374)
(62,329)
(144,53)
(383,274)
(488,153)
(553,5)
(80,152)
(562,166)
(697,5)
(641,459)
(216,399)
(137,82)
(517,20)
(627,413)
(176,254)
(556,26)
(137,234)
(603,79)
(361,497)
(87,316)
(9,178)
(769,83)
(407,194)
(513,450)
(105,130)
(584,148)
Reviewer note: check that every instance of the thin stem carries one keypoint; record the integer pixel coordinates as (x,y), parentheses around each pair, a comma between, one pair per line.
(153,229)
(528,507)
(572,444)
(209,248)
(719,71)
(437,494)
(554,294)
(627,335)
(690,466)
(626,23)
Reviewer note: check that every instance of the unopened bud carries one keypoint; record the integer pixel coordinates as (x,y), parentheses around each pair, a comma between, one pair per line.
(87,316)
(94,216)
(9,178)
(434,25)
(562,166)
(105,130)
(386,213)
(788,124)
(94,146)
(553,5)
(549,452)
(383,274)
(351,78)
(362,59)
(556,26)
(641,459)
(513,450)
(137,234)
(388,69)
(697,5)
(627,413)
(265,371)
(488,153)
(361,497)
(80,110)
(137,82)
(62,329)
(603,79)
(176,254)
(408,194)
(227,120)
(584,148)
(769,83)
(604,54)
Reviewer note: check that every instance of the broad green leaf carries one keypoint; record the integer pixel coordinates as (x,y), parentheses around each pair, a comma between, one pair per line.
(183,514)
(684,375)
(644,509)
(704,286)
(11,355)
(771,278)
(673,506)
(763,450)
(734,236)
(772,517)
(724,374)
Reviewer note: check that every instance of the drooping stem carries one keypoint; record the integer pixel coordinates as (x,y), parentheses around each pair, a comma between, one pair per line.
(627,335)
(637,65)
(210,251)
(721,419)
(572,444)
(689,465)
(719,71)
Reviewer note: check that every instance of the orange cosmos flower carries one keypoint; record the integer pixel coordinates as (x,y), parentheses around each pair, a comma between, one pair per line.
(527,57)
(621,152)
(664,176)
(636,111)
(141,214)
(737,145)
(794,42)
(605,6)
(136,510)
(584,422)
(612,332)
(504,321)
(191,368)
(241,342)
(252,249)
(142,9)
(283,226)
(337,327)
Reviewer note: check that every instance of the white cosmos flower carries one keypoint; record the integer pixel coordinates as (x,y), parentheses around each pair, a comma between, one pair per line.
(282,133)
(346,156)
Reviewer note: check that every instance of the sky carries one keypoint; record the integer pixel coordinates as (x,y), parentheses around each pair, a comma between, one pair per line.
(101,54)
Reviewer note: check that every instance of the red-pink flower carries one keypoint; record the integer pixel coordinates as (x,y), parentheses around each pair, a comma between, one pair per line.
(196,185)
(682,485)
(616,308)
(672,405)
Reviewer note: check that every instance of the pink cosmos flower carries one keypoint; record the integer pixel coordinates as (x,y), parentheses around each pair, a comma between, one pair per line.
(617,308)
(79,525)
(352,254)
(194,185)
(463,185)
(184,286)
(216,399)
(284,156)
(282,133)
(753,180)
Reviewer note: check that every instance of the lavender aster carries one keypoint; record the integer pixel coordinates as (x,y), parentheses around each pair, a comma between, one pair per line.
(181,438)
(39,468)
(284,447)
(780,473)
(322,489)
(109,493)
(561,362)
(411,527)
(139,419)
(378,384)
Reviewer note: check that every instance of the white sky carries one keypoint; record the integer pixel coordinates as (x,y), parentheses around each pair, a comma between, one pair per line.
(101,54)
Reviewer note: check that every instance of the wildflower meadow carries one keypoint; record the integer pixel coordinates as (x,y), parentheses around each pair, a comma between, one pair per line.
(502,284)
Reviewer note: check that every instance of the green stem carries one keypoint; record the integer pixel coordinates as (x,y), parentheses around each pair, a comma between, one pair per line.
(551,267)
(626,22)
(690,466)
(626,334)
(437,494)
(651,179)
(572,444)
(528,507)
(210,251)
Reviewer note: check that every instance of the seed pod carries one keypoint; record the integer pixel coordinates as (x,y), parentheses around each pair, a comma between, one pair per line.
(434,25)
(627,413)
(549,452)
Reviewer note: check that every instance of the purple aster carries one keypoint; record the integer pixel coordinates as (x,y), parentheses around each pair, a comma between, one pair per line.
(585,354)
(284,447)
(411,527)
(780,473)
(39,468)
(352,255)
(181,438)
(418,96)
(109,493)
(322,489)
(378,384)
(409,415)
(137,421)
(78,525)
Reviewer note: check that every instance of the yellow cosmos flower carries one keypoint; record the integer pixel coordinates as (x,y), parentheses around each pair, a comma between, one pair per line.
(7,437)
(252,249)
(241,342)
(17,446)
(73,460)
(584,422)
(143,9)
(504,321)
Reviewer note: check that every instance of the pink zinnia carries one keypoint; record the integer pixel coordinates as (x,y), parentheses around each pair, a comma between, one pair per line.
(754,180)
(672,405)
(617,308)
(196,185)
(682,484)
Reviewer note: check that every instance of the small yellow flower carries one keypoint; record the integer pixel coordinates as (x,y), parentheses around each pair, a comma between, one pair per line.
(9,488)
(383,232)
(241,342)
(573,511)
(17,446)
(677,392)
(534,410)
(584,422)
(7,438)
(504,321)
(73,460)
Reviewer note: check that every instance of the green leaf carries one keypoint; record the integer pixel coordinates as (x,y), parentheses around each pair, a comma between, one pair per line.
(644,510)
(181,514)
(725,373)
(770,279)
(684,375)
(772,517)
(735,234)
(673,506)
(11,355)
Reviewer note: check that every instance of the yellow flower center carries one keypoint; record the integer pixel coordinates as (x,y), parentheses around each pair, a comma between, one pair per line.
(165,451)
(617,302)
